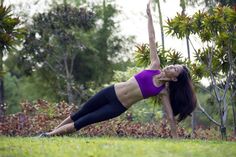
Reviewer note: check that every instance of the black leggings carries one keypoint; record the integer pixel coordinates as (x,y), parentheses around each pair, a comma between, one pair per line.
(102,106)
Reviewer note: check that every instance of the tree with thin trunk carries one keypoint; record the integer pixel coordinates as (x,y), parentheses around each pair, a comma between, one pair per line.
(161,24)
(216,61)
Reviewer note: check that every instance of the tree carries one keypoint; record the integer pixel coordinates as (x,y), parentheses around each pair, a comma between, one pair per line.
(54,41)
(231,3)
(216,61)
(212,3)
(10,36)
(70,46)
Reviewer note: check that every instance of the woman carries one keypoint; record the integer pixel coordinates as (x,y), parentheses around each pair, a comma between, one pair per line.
(172,83)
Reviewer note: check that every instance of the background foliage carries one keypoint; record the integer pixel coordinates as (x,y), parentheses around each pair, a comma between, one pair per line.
(72,50)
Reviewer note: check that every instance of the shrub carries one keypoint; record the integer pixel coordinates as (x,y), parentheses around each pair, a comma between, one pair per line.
(43,116)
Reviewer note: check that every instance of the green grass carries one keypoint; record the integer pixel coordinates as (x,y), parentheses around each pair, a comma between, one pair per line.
(112,147)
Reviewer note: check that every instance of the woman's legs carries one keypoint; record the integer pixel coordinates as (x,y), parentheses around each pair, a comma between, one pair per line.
(64,122)
(91,105)
(103,106)
(65,129)
(106,112)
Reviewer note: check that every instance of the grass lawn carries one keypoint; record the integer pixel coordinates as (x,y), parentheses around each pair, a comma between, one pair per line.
(112,147)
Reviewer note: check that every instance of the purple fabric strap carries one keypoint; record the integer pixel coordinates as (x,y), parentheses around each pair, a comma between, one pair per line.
(145,81)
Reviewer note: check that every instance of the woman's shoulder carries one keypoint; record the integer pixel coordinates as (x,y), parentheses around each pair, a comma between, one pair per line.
(165,91)
(154,69)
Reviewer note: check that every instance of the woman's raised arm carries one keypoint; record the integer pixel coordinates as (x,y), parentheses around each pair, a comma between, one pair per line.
(155,61)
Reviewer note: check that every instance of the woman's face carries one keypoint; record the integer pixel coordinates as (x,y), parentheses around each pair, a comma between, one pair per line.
(173,71)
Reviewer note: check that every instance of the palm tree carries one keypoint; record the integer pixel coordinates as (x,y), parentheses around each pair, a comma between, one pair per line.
(10,36)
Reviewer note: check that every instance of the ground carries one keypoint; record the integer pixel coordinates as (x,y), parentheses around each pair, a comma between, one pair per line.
(112,147)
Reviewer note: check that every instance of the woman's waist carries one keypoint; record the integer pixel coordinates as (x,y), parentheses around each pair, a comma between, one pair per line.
(128,92)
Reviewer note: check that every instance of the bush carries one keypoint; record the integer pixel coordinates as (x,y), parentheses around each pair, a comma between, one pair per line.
(43,116)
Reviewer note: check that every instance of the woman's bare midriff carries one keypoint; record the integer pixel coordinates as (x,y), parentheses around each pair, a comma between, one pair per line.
(128,92)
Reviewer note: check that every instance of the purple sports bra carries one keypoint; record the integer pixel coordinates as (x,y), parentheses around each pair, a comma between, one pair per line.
(145,82)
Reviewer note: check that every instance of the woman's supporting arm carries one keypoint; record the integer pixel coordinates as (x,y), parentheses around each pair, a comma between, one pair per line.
(155,61)
(166,102)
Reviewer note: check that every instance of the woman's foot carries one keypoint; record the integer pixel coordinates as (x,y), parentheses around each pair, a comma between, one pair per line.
(45,134)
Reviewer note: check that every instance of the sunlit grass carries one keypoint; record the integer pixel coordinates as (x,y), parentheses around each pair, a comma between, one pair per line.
(112,147)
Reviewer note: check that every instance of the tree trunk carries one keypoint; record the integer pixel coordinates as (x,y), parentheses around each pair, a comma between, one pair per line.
(194,115)
(222,126)
(218,97)
(2,110)
(233,101)
(221,111)
(194,121)
(69,92)
(161,25)
(188,48)
(225,111)
(68,82)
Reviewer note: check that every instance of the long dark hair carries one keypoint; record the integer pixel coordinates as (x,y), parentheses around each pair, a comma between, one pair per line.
(182,96)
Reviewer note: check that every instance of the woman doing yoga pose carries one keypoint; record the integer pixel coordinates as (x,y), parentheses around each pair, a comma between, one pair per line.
(172,83)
